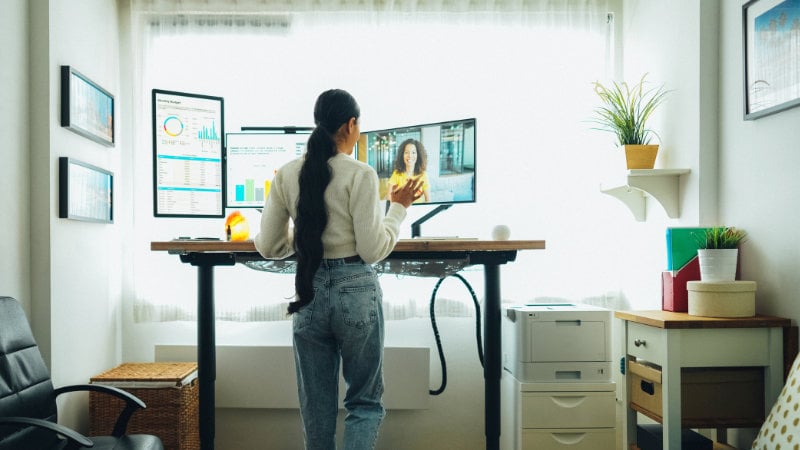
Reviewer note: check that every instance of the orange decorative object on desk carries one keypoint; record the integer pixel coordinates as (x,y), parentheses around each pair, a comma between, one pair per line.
(236,227)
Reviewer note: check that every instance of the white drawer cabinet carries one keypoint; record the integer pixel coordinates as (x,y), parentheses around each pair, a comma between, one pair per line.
(556,416)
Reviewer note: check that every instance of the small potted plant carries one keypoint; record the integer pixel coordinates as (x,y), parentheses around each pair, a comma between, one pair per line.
(624,111)
(718,253)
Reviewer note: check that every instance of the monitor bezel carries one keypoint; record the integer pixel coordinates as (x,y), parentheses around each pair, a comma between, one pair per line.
(433,124)
(221,100)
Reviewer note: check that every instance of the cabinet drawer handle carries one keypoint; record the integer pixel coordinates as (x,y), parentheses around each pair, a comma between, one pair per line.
(640,343)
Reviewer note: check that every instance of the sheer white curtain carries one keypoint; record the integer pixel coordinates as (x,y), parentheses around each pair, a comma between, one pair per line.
(522,68)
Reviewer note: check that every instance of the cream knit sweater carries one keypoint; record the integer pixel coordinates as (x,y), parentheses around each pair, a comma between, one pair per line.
(356,224)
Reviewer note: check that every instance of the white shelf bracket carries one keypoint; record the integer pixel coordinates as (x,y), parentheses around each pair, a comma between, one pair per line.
(632,198)
(661,184)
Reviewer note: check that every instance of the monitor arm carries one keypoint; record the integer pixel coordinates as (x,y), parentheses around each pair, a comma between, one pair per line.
(415,226)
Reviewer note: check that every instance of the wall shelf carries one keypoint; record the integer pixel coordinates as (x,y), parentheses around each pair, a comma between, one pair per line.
(660,184)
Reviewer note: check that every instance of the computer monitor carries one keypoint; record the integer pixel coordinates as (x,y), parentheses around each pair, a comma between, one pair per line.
(253,157)
(188,169)
(445,156)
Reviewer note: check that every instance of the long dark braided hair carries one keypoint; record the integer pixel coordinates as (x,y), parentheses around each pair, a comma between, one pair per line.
(333,108)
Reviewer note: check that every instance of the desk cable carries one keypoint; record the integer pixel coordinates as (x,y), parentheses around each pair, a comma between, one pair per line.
(436,329)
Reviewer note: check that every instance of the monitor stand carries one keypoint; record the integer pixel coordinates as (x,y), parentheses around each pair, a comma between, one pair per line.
(415,226)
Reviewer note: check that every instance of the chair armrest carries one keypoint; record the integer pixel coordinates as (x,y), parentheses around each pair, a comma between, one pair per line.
(132,402)
(130,399)
(75,439)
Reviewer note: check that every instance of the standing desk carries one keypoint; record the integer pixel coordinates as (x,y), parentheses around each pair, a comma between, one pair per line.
(674,340)
(409,256)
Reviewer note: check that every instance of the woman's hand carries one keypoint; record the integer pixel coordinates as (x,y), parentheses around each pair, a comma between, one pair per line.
(389,190)
(408,193)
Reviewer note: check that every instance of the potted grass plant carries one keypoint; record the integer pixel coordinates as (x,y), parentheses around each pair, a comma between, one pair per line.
(718,253)
(624,111)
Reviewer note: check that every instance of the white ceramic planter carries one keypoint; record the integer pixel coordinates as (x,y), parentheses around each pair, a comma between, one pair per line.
(718,264)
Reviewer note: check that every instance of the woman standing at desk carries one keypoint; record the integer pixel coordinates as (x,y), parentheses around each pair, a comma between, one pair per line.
(339,231)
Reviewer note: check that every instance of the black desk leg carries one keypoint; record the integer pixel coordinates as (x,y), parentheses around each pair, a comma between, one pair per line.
(206,353)
(492,349)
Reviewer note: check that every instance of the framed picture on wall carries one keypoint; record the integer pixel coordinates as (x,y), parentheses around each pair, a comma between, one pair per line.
(771,57)
(86,108)
(85,192)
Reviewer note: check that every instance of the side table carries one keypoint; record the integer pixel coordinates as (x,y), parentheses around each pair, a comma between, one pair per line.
(675,341)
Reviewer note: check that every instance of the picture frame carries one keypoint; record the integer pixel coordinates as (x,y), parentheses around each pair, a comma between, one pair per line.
(771,78)
(86,108)
(85,192)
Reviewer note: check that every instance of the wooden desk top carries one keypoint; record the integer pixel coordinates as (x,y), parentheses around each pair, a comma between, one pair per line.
(403,245)
(668,319)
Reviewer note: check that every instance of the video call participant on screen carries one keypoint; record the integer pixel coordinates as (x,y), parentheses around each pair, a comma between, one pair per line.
(410,163)
(340,230)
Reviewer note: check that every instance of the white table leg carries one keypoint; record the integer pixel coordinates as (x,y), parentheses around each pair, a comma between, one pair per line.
(773,373)
(671,392)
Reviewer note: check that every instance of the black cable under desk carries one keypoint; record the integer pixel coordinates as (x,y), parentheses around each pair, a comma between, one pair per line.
(419,257)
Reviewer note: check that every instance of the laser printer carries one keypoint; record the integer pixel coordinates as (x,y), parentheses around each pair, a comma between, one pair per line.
(557,342)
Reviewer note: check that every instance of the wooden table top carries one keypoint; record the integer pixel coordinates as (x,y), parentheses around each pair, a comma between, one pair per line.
(669,319)
(403,245)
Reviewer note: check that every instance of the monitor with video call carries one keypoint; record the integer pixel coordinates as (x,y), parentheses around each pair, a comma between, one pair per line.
(442,155)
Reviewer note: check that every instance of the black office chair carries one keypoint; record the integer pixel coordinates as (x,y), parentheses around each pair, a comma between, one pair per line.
(28,414)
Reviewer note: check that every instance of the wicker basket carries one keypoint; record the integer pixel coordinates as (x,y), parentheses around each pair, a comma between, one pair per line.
(170,391)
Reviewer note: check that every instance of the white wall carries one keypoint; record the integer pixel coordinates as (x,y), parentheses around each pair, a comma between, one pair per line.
(75,266)
(757,187)
(14,153)
(747,169)
(663,39)
(760,190)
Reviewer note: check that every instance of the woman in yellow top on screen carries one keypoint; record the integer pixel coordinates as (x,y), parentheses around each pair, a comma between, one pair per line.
(411,162)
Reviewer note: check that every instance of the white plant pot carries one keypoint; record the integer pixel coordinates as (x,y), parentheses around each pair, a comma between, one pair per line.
(718,264)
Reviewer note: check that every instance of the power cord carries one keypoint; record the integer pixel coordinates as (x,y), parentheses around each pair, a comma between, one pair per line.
(436,329)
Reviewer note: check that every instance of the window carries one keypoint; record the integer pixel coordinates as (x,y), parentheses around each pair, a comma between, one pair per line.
(523,69)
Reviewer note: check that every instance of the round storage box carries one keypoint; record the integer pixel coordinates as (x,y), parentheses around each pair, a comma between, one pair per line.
(722,299)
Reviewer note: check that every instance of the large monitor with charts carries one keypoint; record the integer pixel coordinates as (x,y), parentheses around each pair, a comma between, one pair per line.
(188,168)
(252,159)
(442,154)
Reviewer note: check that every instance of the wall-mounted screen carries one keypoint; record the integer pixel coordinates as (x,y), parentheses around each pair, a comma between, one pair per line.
(253,158)
(188,167)
(441,154)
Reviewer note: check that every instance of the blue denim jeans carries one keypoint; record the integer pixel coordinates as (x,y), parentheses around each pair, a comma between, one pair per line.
(344,323)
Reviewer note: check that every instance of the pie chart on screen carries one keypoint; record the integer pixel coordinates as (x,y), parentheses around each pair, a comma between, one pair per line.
(173,126)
